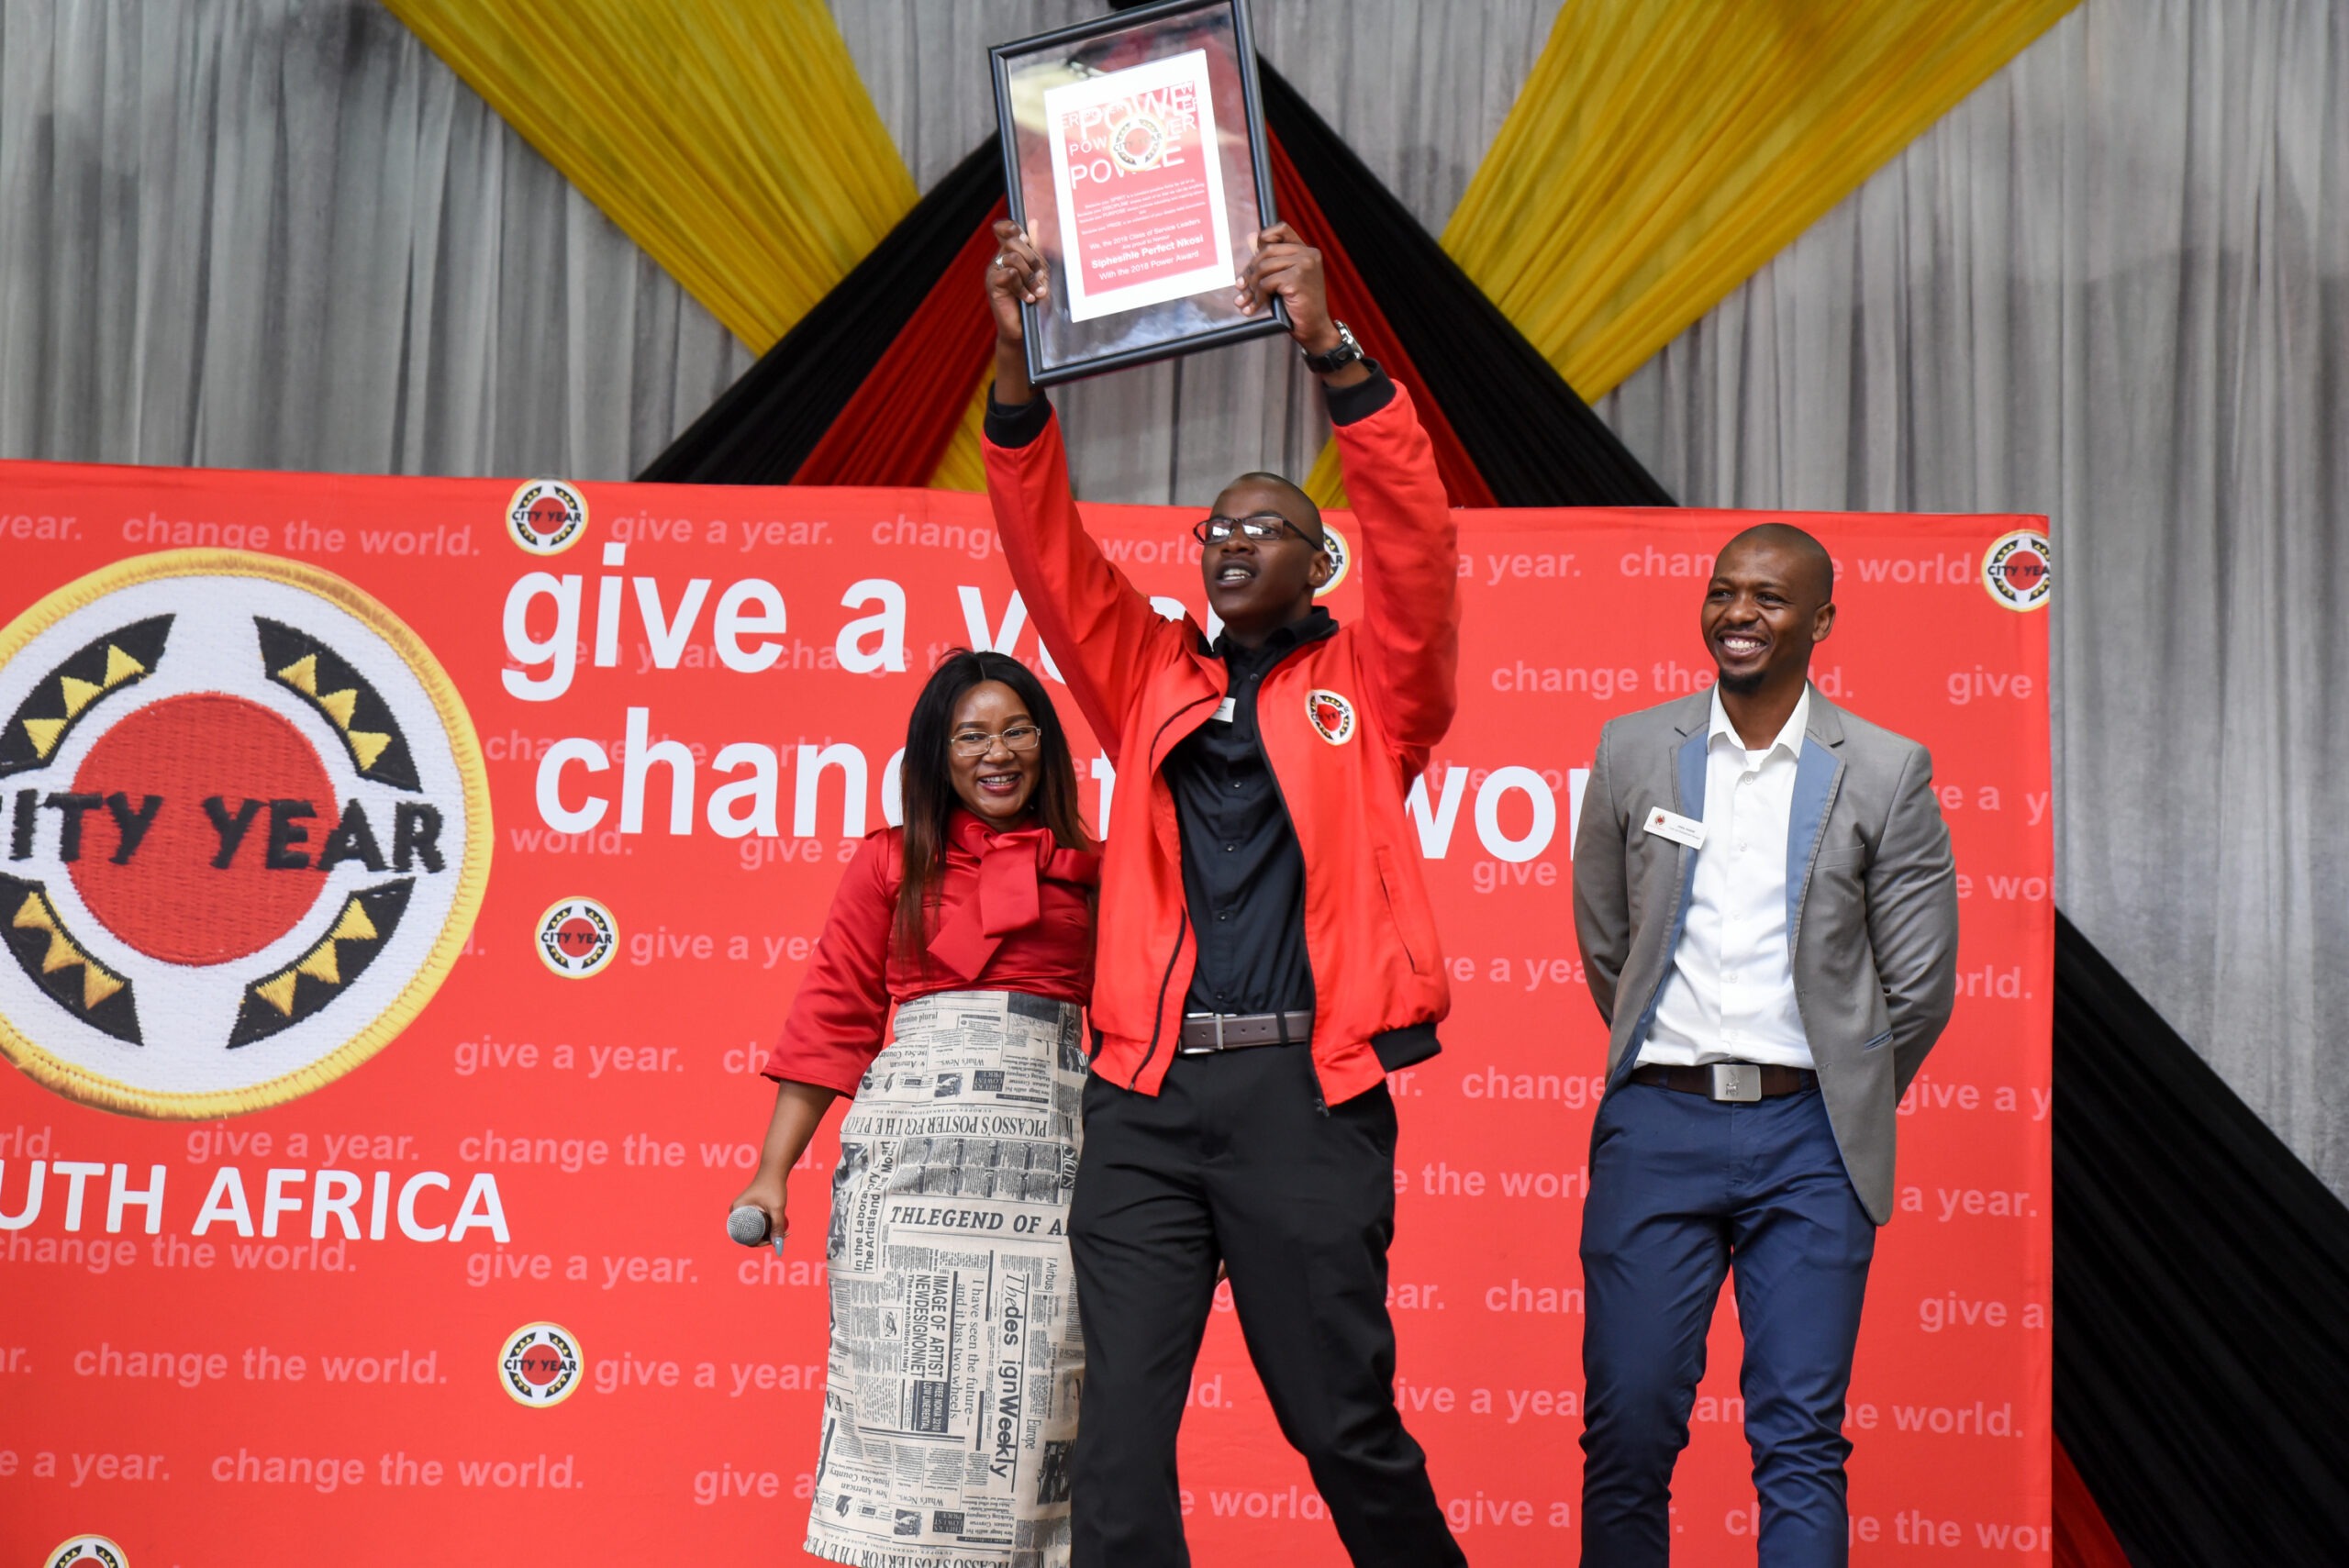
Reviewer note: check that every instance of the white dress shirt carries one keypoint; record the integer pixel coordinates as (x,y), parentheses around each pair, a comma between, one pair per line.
(1730,994)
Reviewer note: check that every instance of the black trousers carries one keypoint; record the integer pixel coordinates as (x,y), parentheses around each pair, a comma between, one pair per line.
(1238,1159)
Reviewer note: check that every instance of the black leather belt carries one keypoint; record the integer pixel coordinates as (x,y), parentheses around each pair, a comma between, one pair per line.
(1204,1034)
(1737,1083)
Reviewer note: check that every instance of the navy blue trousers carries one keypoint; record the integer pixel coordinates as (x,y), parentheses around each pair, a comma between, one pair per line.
(1683,1189)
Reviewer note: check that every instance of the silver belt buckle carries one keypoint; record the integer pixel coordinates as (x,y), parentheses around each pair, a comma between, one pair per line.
(1737,1083)
(1183,1050)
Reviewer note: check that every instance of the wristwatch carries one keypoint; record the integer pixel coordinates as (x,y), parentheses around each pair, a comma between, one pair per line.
(1347,351)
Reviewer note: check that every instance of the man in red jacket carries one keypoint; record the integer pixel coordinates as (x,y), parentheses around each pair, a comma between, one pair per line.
(1266,950)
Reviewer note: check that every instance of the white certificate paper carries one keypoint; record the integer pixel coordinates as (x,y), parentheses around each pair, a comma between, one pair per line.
(1138,178)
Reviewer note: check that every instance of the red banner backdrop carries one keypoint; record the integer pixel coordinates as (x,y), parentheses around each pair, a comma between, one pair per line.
(299,769)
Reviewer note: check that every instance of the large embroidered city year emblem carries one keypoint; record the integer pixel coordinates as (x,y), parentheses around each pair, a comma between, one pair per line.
(247,832)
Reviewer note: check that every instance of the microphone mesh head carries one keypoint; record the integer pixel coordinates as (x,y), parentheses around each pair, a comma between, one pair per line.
(747,1225)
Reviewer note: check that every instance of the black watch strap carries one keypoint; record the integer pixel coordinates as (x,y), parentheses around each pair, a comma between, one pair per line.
(1347,351)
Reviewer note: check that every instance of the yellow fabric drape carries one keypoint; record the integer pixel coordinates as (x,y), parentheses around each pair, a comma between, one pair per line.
(1662,149)
(962,466)
(1326,484)
(733,140)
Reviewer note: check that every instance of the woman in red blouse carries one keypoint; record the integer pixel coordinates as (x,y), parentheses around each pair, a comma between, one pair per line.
(956,1362)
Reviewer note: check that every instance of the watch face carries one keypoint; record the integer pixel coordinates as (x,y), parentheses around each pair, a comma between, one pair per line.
(1346,353)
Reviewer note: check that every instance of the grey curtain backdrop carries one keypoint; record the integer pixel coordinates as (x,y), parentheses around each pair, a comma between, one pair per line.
(281,234)
(1417,90)
(2113,286)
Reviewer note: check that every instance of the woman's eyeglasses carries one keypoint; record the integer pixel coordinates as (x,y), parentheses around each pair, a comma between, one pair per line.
(978,743)
(1260,528)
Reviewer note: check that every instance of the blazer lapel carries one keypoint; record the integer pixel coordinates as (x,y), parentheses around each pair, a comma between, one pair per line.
(1819,773)
(1688,800)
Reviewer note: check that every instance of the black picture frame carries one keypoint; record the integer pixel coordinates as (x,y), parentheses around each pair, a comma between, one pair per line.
(1060,349)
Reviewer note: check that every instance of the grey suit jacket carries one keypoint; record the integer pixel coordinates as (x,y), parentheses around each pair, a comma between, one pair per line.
(1871,906)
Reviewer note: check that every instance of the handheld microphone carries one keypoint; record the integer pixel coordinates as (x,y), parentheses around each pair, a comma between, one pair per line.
(748,1225)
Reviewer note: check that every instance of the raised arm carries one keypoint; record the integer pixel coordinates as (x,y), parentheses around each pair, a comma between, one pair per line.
(1407,546)
(1912,919)
(1102,631)
(1410,558)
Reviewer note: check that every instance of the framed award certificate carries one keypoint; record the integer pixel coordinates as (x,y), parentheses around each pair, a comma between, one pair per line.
(1134,153)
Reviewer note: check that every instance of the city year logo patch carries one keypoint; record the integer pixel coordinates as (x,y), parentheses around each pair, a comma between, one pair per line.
(1332,716)
(2019,570)
(1341,557)
(539,1364)
(246,830)
(546,517)
(577,938)
(90,1550)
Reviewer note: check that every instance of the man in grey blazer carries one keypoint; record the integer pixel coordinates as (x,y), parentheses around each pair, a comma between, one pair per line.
(1768,919)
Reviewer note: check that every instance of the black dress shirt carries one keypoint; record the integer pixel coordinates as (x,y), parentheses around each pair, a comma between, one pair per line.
(1244,875)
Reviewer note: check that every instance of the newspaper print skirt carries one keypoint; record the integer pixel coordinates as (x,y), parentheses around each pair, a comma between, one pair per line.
(956,1363)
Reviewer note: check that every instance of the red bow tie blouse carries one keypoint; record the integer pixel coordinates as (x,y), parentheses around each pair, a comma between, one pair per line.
(1015,916)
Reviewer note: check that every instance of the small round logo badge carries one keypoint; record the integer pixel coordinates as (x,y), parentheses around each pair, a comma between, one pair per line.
(539,1364)
(2018,570)
(577,938)
(247,827)
(1341,557)
(546,517)
(92,1551)
(1332,716)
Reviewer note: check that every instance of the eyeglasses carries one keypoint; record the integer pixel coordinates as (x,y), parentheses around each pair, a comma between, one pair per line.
(1018,738)
(1259,527)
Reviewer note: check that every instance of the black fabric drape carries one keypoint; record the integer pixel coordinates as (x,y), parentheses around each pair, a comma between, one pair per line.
(2201,1296)
(763,428)
(1535,442)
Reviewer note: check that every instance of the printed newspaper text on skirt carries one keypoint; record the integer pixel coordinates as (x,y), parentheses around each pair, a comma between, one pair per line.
(956,1363)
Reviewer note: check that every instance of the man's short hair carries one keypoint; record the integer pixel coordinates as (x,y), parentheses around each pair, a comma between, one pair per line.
(1788,537)
(1308,515)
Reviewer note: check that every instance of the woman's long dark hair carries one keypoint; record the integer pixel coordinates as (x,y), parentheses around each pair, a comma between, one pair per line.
(928,786)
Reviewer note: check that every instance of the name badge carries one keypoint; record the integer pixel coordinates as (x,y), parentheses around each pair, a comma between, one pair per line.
(1679,829)
(1227,711)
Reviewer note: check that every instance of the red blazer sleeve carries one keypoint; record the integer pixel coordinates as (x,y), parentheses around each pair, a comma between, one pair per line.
(837,1020)
(1101,631)
(1410,567)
